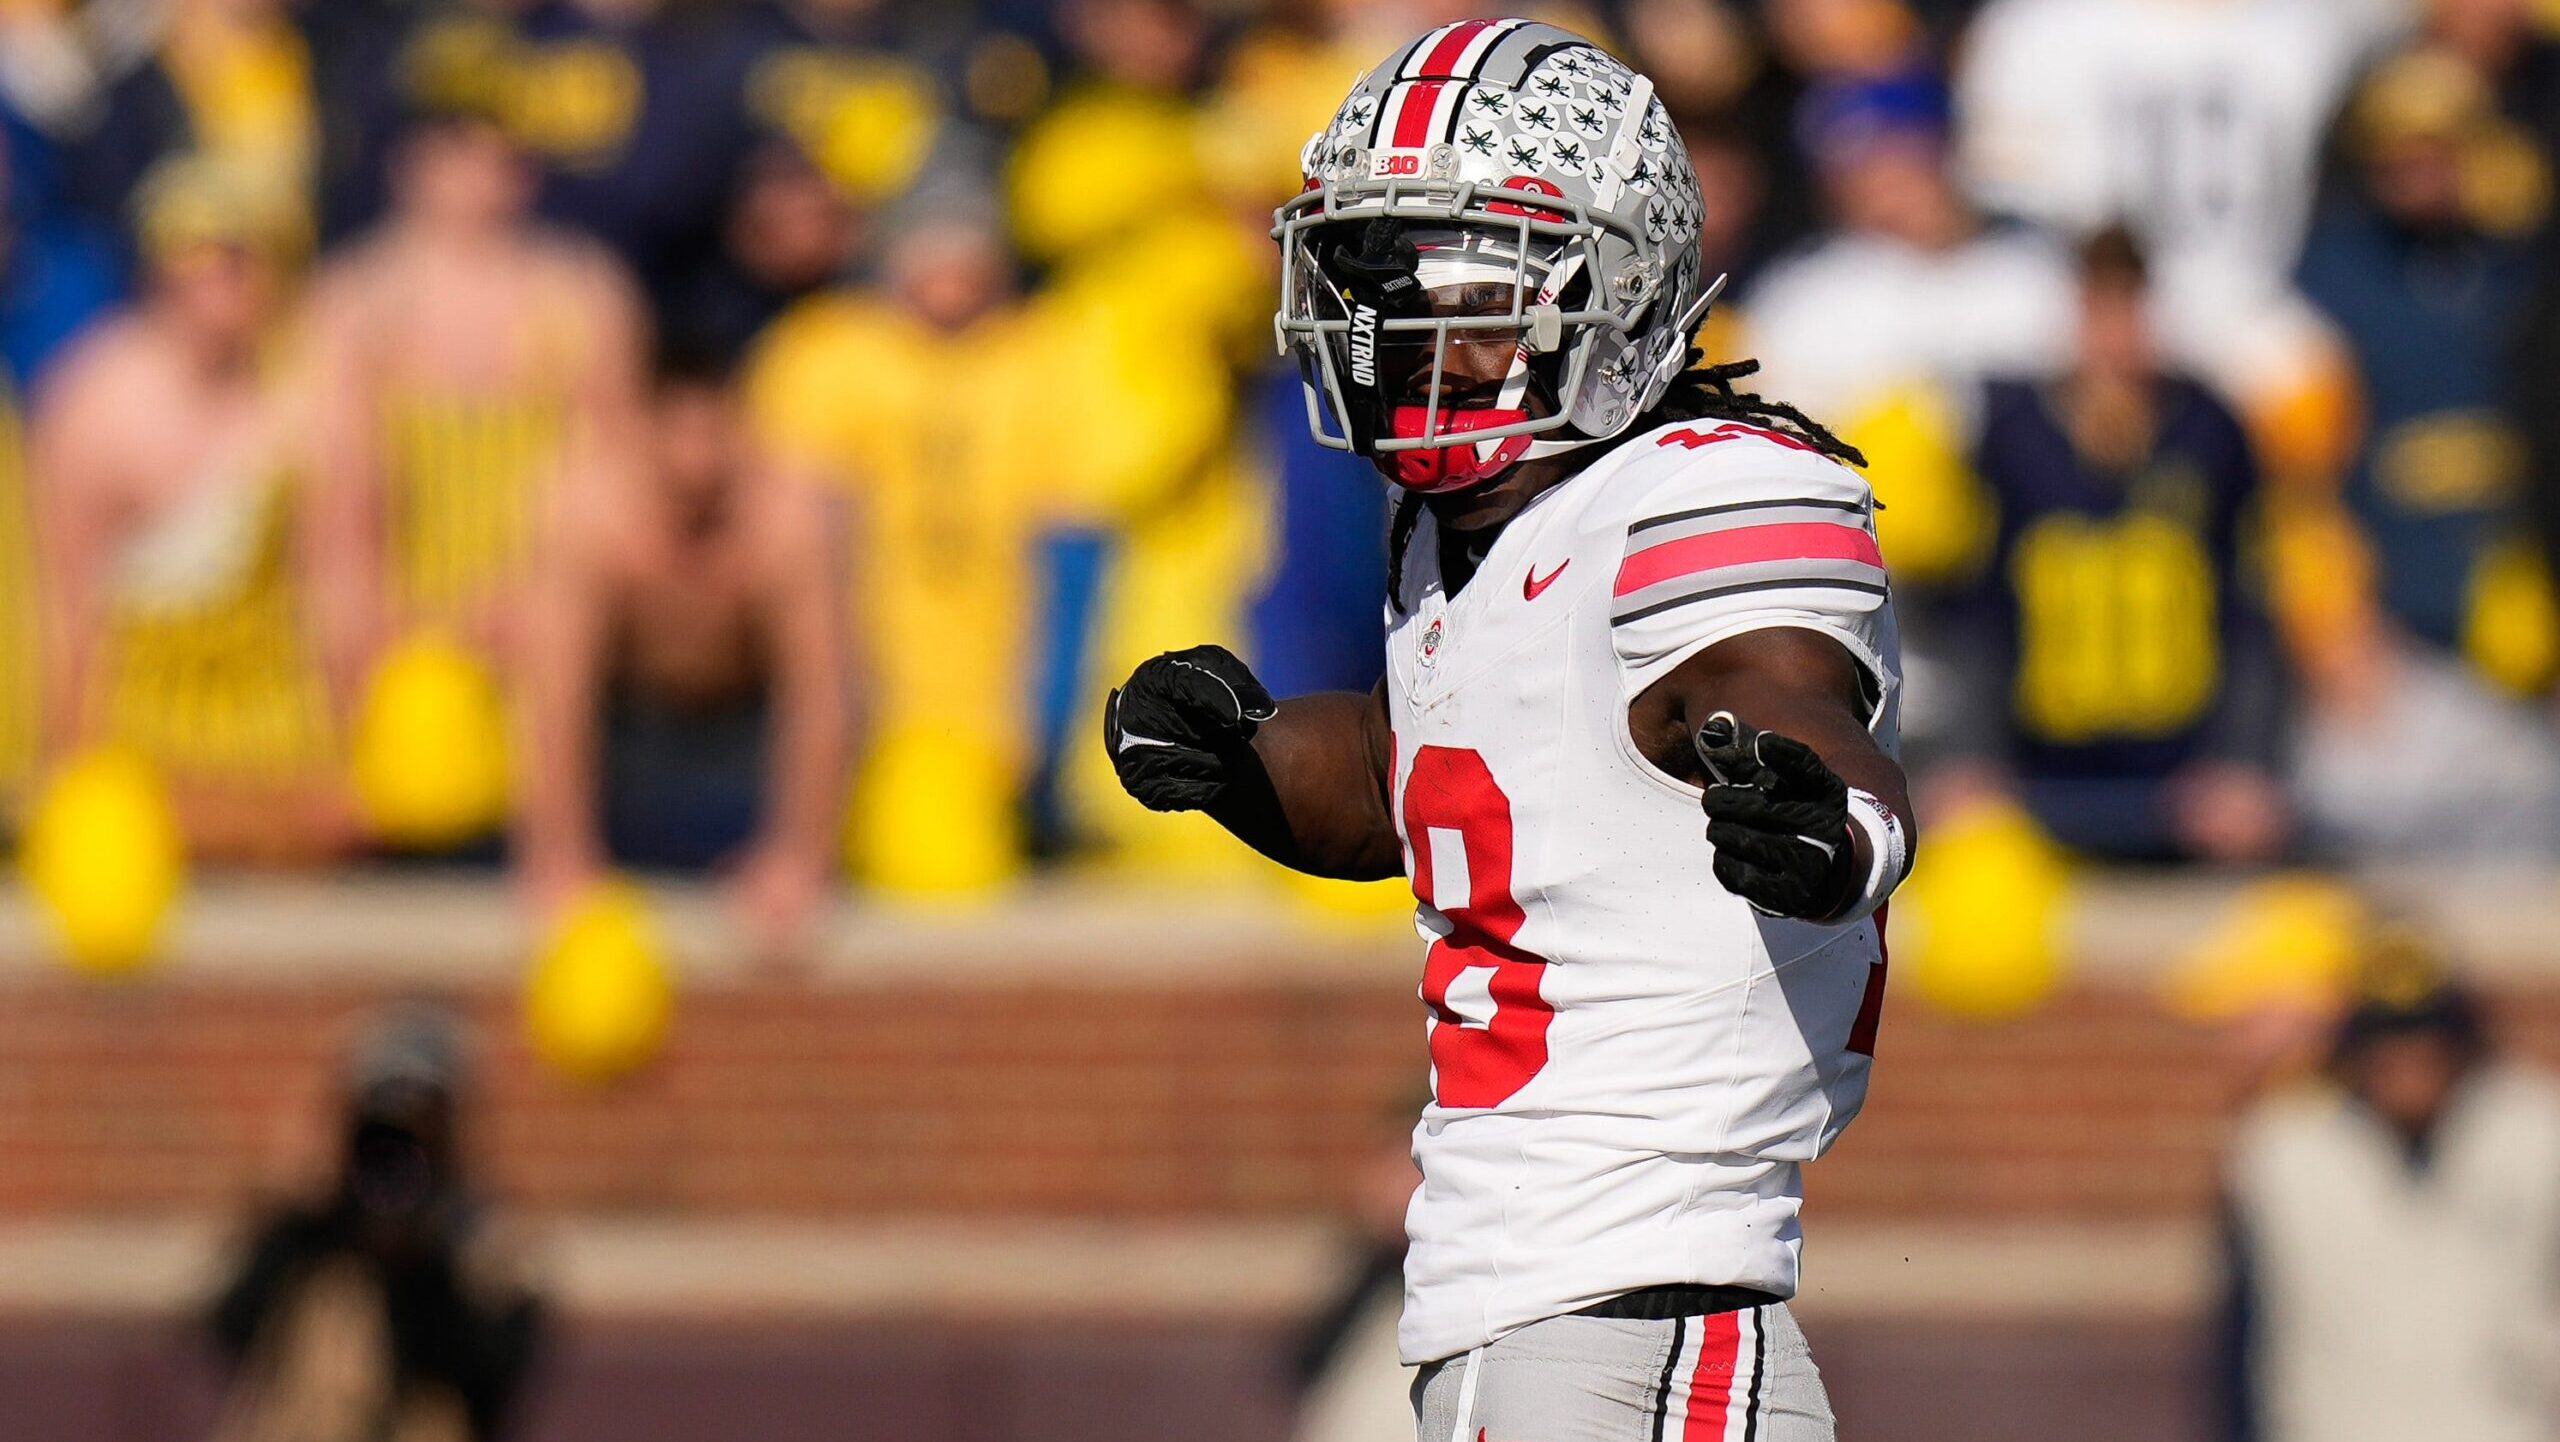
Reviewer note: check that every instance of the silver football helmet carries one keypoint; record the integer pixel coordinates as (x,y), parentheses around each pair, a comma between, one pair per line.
(1527,164)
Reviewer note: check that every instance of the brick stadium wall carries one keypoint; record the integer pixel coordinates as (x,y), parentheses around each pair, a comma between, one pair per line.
(1236,1099)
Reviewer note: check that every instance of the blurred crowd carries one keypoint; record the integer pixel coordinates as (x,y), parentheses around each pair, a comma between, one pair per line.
(750,434)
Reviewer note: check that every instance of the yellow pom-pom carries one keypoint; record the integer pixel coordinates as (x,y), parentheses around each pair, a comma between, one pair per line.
(2288,943)
(1978,927)
(599,999)
(2512,633)
(872,129)
(430,752)
(932,816)
(103,855)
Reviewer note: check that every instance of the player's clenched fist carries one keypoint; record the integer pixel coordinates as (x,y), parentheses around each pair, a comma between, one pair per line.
(1779,820)
(1181,727)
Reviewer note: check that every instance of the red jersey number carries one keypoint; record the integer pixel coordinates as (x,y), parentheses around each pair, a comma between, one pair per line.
(1454,815)
(1733,431)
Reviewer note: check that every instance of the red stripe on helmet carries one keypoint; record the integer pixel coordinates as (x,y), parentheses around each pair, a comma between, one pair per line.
(1442,62)
(1413,117)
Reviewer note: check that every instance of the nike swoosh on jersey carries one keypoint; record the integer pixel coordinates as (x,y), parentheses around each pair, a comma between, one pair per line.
(1533,584)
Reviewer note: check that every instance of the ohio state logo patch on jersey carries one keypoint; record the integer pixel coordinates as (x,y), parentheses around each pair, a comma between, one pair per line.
(1431,636)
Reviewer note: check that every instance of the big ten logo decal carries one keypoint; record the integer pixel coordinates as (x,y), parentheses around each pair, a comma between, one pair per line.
(1395,164)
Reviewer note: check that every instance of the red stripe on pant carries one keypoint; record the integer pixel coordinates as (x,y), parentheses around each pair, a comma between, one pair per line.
(1711,1385)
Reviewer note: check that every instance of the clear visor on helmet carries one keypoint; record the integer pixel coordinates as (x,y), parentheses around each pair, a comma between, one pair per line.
(1464,344)
(1482,349)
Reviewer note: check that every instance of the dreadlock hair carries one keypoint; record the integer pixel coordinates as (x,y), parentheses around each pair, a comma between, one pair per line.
(1698,393)
(1706,393)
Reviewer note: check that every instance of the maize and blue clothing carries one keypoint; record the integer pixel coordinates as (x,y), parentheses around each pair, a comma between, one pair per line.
(56,274)
(2114,615)
(865,98)
(628,121)
(2431,321)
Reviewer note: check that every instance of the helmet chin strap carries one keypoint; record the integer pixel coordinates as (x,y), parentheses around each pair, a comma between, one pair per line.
(1461,465)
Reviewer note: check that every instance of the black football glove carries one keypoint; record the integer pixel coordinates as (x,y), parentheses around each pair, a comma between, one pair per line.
(1181,727)
(1779,820)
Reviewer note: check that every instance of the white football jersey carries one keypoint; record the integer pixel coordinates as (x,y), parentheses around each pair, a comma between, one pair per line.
(1628,1062)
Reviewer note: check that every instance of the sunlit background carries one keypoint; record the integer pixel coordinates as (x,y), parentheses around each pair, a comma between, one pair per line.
(559,563)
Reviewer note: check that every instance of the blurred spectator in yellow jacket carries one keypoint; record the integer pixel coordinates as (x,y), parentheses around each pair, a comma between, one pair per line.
(165,468)
(461,355)
(935,402)
(1313,614)
(1120,145)
(1152,286)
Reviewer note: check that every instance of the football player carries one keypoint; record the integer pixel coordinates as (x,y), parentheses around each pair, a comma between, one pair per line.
(1635,745)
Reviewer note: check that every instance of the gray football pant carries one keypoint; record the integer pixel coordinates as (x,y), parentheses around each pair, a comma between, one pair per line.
(1728,1377)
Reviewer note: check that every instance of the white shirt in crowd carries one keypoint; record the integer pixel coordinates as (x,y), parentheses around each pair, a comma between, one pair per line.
(2197,123)
(2393,1303)
(1838,327)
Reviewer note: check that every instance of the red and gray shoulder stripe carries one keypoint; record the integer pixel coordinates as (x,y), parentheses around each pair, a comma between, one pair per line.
(1421,106)
(1780,544)
(1710,1389)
